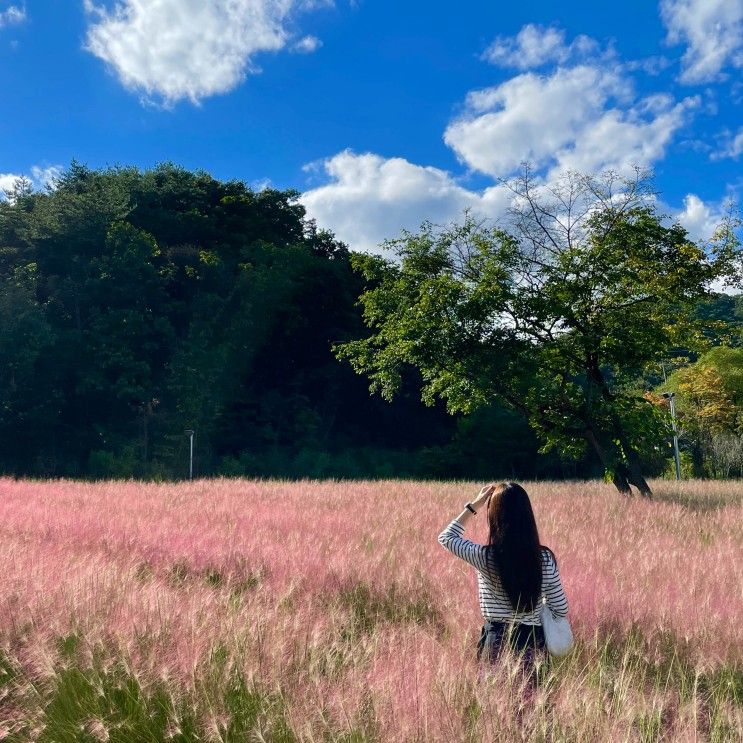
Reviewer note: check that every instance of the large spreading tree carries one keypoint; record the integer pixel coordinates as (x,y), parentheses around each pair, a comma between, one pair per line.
(556,310)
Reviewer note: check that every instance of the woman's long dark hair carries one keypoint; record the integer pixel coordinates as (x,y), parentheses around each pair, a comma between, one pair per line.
(513,545)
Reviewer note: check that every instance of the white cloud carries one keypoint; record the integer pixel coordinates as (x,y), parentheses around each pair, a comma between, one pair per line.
(41,178)
(580,117)
(44,177)
(188,49)
(621,140)
(261,184)
(649,65)
(698,218)
(8,182)
(712,31)
(371,198)
(528,117)
(733,147)
(12,16)
(535,46)
(307,45)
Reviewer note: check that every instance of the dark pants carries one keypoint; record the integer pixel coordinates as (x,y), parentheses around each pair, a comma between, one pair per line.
(525,639)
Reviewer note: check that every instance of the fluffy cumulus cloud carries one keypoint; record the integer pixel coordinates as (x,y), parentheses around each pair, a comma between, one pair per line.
(582,117)
(13,15)
(712,31)
(620,140)
(370,198)
(189,49)
(535,46)
(582,114)
(700,219)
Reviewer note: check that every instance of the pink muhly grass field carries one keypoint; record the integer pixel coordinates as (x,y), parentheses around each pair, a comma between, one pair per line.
(337,598)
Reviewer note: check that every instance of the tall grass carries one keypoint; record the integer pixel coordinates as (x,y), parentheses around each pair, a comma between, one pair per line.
(235,610)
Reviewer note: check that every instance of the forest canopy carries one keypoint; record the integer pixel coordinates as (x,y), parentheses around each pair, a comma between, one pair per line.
(136,305)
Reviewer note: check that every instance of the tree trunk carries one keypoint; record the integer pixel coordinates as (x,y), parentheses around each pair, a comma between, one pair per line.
(621,483)
(631,473)
(634,467)
(619,471)
(636,476)
(146,413)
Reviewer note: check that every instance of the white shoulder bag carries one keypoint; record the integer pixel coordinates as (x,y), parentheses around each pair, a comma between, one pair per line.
(557,632)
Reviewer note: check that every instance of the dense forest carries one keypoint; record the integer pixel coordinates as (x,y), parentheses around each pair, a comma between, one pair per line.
(135,306)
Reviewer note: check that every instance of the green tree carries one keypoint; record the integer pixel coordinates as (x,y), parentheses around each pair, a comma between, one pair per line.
(724,313)
(556,311)
(137,304)
(25,337)
(709,404)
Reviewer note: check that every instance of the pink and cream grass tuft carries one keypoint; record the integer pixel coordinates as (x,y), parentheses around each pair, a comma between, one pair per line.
(234,609)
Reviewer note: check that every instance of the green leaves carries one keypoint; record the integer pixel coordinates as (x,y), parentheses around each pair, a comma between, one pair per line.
(135,305)
(557,314)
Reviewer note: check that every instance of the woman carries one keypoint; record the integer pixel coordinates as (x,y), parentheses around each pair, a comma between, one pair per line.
(513,572)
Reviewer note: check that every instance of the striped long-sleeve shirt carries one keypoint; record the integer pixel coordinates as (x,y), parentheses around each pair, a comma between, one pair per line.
(494,602)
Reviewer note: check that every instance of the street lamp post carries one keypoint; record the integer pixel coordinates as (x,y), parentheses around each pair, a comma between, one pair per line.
(190,435)
(670,396)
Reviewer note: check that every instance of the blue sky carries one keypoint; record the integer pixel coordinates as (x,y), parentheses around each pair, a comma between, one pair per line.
(382,113)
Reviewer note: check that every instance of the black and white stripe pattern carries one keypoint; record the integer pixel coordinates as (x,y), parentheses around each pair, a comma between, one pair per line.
(494,602)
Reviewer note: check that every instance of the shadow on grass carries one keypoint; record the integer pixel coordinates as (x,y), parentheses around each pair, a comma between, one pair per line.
(370,606)
(242,579)
(697,498)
